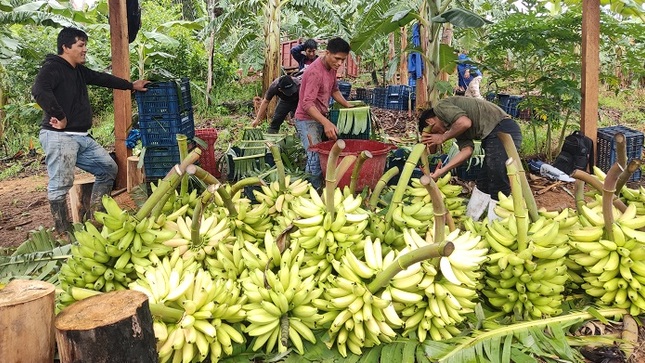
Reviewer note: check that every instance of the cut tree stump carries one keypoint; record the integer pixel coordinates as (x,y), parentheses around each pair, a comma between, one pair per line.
(79,198)
(112,327)
(27,322)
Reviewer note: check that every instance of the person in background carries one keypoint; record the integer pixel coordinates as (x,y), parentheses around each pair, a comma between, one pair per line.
(60,89)
(469,77)
(466,119)
(305,53)
(318,85)
(286,88)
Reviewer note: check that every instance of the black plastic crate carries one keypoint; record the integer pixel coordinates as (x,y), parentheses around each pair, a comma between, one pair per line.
(171,97)
(345,88)
(606,147)
(158,161)
(364,94)
(510,105)
(401,104)
(400,90)
(379,97)
(161,130)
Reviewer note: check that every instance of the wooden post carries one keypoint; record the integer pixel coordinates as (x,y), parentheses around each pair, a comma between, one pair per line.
(590,69)
(27,321)
(135,174)
(112,327)
(122,99)
(79,198)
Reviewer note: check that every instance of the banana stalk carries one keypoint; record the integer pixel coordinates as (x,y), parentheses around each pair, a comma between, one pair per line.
(167,314)
(580,193)
(511,151)
(399,191)
(330,177)
(167,186)
(202,174)
(438,207)
(277,158)
(364,155)
(226,198)
(621,149)
(425,156)
(343,166)
(608,191)
(380,185)
(197,222)
(596,184)
(182,143)
(443,249)
(632,166)
(520,212)
(252,180)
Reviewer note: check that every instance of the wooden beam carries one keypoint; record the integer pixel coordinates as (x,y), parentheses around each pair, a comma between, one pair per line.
(590,68)
(122,99)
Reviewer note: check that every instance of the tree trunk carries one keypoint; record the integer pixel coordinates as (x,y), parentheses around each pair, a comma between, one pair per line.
(272,62)
(446,38)
(27,322)
(403,61)
(391,54)
(113,327)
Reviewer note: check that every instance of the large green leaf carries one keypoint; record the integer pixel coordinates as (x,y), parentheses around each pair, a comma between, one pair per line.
(461,18)
(362,40)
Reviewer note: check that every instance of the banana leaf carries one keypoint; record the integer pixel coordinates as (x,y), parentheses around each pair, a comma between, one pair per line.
(38,258)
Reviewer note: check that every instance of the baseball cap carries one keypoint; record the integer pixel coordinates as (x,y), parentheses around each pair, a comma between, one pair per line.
(287,85)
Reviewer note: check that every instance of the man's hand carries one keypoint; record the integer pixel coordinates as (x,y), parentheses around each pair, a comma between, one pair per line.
(330,130)
(256,122)
(140,85)
(432,139)
(58,124)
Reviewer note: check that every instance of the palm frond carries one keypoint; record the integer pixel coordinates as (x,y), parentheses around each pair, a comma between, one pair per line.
(38,258)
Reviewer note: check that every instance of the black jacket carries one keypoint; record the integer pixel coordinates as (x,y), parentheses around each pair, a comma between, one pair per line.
(61,91)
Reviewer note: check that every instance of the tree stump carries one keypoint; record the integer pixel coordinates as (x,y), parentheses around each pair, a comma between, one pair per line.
(112,327)
(27,322)
(79,198)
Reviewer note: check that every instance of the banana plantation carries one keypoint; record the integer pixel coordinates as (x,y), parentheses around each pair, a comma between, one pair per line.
(252,263)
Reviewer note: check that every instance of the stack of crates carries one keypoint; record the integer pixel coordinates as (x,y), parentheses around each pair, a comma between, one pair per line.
(364,94)
(606,147)
(345,89)
(165,110)
(399,97)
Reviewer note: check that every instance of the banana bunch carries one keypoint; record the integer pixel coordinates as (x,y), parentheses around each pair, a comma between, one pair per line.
(636,197)
(614,269)
(212,233)
(279,309)
(568,221)
(356,318)
(527,282)
(455,204)
(279,200)
(185,203)
(432,304)
(194,313)
(319,233)
(251,221)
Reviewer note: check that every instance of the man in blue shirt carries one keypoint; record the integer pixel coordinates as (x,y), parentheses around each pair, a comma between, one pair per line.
(310,47)
(469,77)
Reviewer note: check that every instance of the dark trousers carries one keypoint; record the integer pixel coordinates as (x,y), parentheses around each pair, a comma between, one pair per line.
(493,178)
(282,109)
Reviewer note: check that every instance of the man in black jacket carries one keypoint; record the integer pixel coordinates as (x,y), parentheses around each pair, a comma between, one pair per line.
(286,88)
(60,89)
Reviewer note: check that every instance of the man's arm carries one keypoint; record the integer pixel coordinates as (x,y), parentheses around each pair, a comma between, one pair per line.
(296,52)
(330,129)
(262,112)
(338,96)
(459,158)
(460,126)
(111,81)
(43,92)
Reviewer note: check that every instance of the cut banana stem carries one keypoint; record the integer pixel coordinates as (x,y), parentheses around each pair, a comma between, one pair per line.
(408,259)
(277,158)
(364,155)
(166,313)
(518,205)
(196,223)
(608,190)
(201,174)
(633,165)
(512,153)
(438,207)
(596,184)
(226,198)
(342,168)
(182,143)
(249,181)
(380,185)
(404,180)
(330,176)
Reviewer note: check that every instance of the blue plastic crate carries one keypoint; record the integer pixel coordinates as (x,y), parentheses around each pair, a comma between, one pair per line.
(164,98)
(161,130)
(606,147)
(345,88)
(379,97)
(157,162)
(364,94)
(401,105)
(398,90)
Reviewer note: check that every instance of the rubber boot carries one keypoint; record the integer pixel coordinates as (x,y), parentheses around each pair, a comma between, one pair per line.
(96,204)
(61,216)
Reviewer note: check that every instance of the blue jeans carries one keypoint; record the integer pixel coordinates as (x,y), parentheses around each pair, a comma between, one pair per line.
(63,152)
(311,129)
